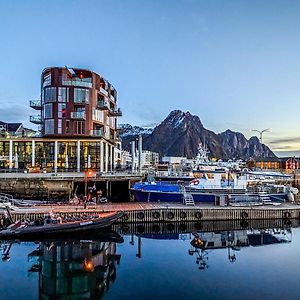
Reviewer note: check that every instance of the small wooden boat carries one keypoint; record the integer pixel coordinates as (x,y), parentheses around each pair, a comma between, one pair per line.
(59,226)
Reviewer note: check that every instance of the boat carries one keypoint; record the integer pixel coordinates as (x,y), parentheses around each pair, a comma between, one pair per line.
(219,187)
(54,225)
(220,184)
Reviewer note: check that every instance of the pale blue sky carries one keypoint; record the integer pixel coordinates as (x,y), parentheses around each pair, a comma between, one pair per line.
(235,64)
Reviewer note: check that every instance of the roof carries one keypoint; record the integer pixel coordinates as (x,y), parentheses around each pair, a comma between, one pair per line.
(13,127)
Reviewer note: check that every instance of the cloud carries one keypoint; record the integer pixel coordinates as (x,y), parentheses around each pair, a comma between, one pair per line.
(154,124)
(278,148)
(285,140)
(287,153)
(15,113)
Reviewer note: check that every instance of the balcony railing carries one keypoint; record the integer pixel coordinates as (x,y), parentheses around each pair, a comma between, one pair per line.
(112,98)
(78,115)
(36,104)
(115,112)
(81,101)
(97,132)
(77,83)
(36,119)
(103,104)
(103,91)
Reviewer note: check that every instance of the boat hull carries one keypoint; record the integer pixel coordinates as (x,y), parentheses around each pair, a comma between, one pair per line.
(61,229)
(176,197)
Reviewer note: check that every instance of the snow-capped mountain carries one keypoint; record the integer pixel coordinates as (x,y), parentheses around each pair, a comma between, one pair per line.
(181,132)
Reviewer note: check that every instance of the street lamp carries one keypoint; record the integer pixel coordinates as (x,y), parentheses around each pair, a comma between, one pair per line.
(261,133)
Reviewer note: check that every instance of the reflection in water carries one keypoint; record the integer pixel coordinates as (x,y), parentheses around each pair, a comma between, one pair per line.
(234,241)
(85,269)
(79,269)
(73,269)
(201,243)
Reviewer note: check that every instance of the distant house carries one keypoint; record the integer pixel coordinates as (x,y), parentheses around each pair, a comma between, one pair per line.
(290,163)
(276,163)
(15,130)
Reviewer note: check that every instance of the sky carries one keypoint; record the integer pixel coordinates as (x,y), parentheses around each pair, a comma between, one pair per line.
(235,64)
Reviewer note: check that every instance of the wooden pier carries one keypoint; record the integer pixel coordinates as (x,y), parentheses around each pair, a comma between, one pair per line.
(148,212)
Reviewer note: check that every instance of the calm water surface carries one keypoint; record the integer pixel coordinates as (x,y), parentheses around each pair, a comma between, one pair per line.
(240,264)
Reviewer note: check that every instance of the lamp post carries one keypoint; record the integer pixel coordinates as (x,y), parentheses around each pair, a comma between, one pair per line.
(261,133)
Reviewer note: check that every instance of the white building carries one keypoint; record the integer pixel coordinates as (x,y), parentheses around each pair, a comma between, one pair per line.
(174,160)
(149,158)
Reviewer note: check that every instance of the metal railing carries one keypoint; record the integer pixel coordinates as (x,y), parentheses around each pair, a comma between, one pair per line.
(78,115)
(36,119)
(36,104)
(77,83)
(97,132)
(103,104)
(103,91)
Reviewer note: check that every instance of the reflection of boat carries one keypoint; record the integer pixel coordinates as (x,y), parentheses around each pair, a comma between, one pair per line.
(58,225)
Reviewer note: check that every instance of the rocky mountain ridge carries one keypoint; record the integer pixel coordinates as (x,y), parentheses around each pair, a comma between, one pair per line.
(181,132)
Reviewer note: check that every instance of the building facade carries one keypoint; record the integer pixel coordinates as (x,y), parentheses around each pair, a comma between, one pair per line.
(76,102)
(77,118)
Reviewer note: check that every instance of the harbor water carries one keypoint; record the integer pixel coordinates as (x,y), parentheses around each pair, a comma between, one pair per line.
(239,264)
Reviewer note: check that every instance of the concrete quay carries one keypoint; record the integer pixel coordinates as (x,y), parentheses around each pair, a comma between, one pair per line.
(166,212)
(61,186)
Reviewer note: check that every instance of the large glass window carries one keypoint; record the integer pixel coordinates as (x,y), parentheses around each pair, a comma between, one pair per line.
(98,115)
(90,155)
(49,126)
(63,94)
(79,127)
(61,110)
(59,126)
(81,95)
(48,111)
(50,94)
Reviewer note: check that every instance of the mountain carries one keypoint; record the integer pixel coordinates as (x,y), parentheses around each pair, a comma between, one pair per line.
(130,133)
(181,132)
(237,146)
(179,135)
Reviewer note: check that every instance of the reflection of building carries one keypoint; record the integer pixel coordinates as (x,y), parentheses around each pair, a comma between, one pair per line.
(76,270)
(78,120)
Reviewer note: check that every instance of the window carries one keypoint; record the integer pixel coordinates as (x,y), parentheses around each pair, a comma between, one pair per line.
(61,110)
(48,111)
(81,95)
(49,126)
(50,94)
(79,127)
(98,115)
(67,126)
(63,94)
(59,126)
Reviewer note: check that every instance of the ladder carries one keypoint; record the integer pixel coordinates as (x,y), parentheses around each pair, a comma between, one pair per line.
(187,197)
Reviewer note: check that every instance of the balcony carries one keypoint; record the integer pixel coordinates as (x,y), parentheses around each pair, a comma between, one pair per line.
(103,104)
(78,115)
(77,83)
(115,112)
(97,132)
(112,98)
(36,104)
(103,91)
(36,119)
(80,102)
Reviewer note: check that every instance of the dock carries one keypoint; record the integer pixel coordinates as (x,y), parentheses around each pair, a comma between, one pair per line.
(165,212)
